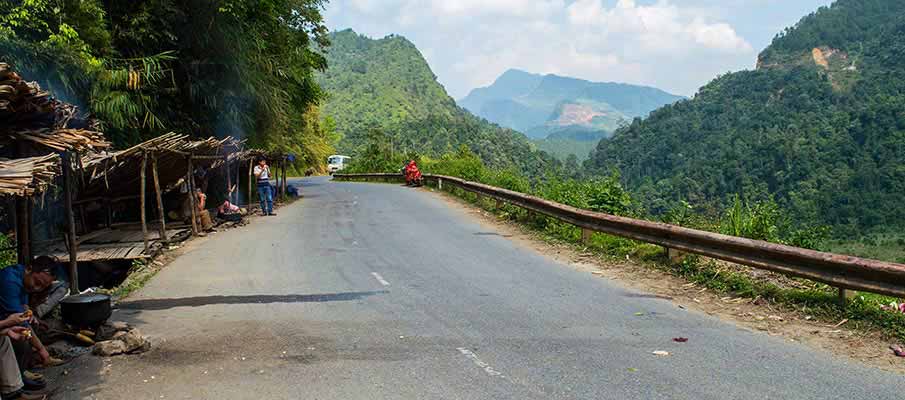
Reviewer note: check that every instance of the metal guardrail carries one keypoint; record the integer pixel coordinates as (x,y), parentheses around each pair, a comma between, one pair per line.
(841,271)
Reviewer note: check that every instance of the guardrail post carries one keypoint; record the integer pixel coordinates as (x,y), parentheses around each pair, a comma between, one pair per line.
(439,184)
(499,204)
(844,295)
(674,256)
(586,235)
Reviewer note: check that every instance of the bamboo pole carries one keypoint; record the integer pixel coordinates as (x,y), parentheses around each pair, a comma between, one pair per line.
(189,181)
(70,220)
(144,199)
(285,187)
(251,175)
(229,181)
(161,214)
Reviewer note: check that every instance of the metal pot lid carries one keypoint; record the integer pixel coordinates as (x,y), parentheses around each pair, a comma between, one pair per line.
(86,298)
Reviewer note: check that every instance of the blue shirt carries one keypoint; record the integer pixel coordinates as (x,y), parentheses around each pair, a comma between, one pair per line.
(13,296)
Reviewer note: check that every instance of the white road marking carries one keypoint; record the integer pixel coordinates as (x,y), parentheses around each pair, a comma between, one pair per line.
(380,279)
(474,358)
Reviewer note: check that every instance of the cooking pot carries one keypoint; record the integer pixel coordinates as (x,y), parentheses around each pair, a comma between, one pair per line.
(85,310)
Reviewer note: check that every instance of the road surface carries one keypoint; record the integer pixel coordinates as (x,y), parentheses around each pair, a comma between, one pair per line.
(374,291)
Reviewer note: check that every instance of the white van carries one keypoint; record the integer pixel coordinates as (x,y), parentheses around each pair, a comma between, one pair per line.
(337,163)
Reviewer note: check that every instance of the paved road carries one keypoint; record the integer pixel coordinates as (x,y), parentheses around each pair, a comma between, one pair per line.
(369,291)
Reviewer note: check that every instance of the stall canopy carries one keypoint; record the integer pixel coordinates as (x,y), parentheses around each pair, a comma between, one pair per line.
(27,176)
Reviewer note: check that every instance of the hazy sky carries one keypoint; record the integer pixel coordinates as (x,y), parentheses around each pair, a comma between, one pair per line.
(676,45)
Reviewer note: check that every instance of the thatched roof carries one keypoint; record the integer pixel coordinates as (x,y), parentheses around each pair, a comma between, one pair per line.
(30,114)
(120,171)
(25,176)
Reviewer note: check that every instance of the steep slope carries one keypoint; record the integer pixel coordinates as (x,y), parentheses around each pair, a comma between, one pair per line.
(385,86)
(542,104)
(819,126)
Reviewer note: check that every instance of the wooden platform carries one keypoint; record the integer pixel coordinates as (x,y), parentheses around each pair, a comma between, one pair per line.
(124,243)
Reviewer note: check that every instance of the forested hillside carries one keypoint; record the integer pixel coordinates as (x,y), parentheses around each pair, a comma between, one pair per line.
(383,91)
(146,67)
(820,126)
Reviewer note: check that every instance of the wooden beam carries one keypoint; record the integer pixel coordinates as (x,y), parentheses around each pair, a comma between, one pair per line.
(161,213)
(144,199)
(70,220)
(190,182)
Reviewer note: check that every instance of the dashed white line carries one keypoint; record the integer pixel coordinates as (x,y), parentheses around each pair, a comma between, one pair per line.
(483,365)
(380,279)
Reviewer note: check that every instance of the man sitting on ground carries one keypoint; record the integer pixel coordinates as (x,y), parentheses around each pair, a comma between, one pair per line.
(202,216)
(11,385)
(16,282)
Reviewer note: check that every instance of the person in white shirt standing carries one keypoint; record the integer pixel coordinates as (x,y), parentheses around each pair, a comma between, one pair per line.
(265,192)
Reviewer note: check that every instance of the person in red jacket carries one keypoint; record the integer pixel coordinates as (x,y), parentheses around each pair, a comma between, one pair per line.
(412,174)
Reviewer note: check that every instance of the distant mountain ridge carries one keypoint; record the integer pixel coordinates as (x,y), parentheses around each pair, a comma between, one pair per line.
(541,104)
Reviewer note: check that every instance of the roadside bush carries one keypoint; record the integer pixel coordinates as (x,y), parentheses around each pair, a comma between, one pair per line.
(604,195)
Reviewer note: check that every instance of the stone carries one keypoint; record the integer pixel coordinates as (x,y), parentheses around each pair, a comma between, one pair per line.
(109,348)
(133,340)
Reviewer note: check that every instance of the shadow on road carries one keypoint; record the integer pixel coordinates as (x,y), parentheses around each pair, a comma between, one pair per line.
(165,304)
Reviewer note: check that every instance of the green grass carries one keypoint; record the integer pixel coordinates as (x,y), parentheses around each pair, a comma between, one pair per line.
(140,273)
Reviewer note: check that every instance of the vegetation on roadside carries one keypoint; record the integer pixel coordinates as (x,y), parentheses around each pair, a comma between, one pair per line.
(225,68)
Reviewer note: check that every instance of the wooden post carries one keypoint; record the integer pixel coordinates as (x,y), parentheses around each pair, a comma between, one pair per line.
(189,182)
(229,180)
(70,220)
(22,221)
(143,199)
(251,177)
(161,214)
(586,235)
(285,186)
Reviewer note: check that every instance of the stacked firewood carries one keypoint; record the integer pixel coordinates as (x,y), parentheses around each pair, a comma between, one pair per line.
(30,114)
(23,102)
(25,176)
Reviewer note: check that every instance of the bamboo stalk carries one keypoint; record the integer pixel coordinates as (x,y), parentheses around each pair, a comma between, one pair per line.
(144,200)
(160,211)
(70,220)
(189,179)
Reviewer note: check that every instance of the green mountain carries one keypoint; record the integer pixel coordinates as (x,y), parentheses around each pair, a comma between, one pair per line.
(569,141)
(385,87)
(542,104)
(819,126)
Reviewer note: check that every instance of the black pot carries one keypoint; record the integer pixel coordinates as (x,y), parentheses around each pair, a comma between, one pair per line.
(86,310)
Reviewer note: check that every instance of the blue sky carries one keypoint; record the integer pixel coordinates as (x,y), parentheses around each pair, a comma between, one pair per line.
(676,45)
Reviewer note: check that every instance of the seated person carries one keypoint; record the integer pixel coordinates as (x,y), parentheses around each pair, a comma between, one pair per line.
(202,216)
(16,282)
(42,303)
(11,383)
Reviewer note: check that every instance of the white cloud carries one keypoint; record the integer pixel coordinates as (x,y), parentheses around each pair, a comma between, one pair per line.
(469,43)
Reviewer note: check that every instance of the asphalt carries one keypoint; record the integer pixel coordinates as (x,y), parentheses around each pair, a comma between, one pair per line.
(376,291)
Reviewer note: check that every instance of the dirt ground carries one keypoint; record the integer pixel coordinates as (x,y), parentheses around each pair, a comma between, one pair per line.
(870,348)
